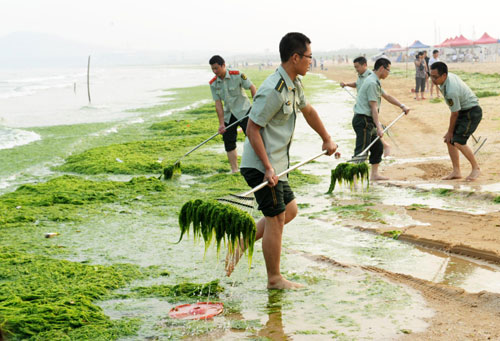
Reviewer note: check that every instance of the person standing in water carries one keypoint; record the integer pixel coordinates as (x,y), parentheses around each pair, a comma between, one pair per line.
(270,129)
(229,86)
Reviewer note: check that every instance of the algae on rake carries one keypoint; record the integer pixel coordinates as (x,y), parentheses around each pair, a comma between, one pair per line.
(346,173)
(224,222)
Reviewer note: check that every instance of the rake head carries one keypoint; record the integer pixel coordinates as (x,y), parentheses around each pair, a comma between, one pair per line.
(168,172)
(358,158)
(247,204)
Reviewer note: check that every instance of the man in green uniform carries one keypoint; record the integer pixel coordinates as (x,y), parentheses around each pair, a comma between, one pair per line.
(228,86)
(366,121)
(266,150)
(361,67)
(465,117)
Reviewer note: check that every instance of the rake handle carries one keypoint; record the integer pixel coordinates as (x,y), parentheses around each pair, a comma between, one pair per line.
(265,183)
(378,137)
(211,137)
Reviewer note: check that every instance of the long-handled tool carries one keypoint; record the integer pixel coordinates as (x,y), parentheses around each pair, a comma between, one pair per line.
(361,157)
(387,132)
(245,202)
(481,145)
(168,172)
(227,218)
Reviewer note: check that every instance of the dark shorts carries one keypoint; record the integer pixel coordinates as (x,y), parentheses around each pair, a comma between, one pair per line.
(272,200)
(366,132)
(231,134)
(466,124)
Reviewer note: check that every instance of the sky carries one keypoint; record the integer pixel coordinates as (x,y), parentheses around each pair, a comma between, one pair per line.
(248,26)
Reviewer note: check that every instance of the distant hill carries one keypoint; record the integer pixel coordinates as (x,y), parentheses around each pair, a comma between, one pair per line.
(29,49)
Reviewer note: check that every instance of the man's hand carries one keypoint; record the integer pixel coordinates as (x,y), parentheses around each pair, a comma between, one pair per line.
(222,128)
(447,137)
(270,176)
(406,110)
(329,146)
(342,84)
(380,132)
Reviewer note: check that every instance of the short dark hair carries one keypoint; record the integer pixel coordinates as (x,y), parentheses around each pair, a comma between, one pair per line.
(216,60)
(441,68)
(435,51)
(360,60)
(381,62)
(291,43)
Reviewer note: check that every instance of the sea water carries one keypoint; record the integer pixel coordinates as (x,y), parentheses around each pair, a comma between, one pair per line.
(50,107)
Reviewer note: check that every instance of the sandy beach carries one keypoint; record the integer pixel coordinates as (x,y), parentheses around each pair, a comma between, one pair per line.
(420,161)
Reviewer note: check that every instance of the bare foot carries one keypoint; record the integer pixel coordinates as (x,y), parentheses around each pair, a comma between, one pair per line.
(387,150)
(378,177)
(474,174)
(282,283)
(453,175)
(423,98)
(232,260)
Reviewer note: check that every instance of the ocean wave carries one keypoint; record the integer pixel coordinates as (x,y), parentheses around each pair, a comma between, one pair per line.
(10,138)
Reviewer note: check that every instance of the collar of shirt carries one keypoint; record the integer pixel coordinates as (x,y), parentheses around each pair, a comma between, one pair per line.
(289,83)
(227,76)
(444,87)
(365,74)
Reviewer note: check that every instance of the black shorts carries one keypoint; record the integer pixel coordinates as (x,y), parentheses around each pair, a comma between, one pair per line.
(272,200)
(466,124)
(231,134)
(366,132)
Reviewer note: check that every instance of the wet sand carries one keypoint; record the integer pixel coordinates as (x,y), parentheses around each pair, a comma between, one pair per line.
(459,315)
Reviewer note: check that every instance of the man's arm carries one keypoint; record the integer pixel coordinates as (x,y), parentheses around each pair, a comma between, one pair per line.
(314,121)
(451,128)
(352,84)
(253,90)
(253,134)
(374,109)
(220,114)
(395,102)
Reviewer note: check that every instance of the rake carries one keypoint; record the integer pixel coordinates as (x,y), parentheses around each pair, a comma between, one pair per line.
(346,172)
(227,219)
(169,171)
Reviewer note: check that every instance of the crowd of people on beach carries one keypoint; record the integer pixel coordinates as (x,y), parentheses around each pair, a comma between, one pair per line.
(269,124)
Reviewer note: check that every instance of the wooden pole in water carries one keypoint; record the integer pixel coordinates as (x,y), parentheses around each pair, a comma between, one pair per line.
(88,79)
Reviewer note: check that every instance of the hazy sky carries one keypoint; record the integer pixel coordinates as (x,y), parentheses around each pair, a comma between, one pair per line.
(249,26)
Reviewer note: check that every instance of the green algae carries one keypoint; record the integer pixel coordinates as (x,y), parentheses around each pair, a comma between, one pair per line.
(347,172)
(42,297)
(481,83)
(178,292)
(61,198)
(222,222)
(497,200)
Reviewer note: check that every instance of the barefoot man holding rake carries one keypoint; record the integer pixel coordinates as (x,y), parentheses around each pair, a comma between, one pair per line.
(465,117)
(266,151)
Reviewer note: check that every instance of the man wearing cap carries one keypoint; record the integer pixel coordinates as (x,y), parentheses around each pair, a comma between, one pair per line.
(366,121)
(266,151)
(229,86)
(465,117)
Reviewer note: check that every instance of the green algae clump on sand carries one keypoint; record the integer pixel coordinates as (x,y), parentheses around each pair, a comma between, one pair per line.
(223,221)
(345,173)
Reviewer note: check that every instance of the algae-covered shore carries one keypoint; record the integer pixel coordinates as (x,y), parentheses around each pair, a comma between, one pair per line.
(50,287)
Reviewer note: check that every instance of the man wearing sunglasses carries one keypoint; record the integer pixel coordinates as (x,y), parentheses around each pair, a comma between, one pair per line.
(465,117)
(366,121)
